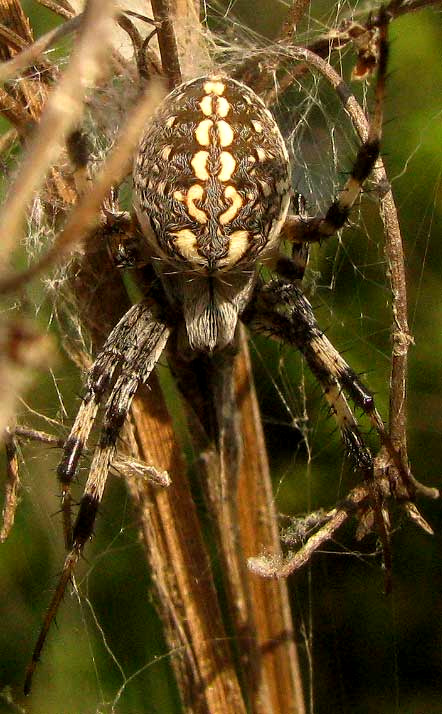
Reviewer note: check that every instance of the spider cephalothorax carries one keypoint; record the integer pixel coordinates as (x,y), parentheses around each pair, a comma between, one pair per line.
(212,185)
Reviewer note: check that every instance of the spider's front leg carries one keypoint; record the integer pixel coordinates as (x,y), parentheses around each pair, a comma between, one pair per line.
(299,230)
(131,352)
(113,355)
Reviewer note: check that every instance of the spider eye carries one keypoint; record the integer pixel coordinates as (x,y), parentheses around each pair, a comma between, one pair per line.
(212,175)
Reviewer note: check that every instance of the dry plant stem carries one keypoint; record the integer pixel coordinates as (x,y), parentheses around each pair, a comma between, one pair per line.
(180,565)
(214,403)
(12,487)
(122,466)
(29,93)
(259,529)
(31,53)
(222,489)
(63,110)
(401,336)
(167,42)
(86,213)
(274,567)
(57,8)
(11,38)
(15,112)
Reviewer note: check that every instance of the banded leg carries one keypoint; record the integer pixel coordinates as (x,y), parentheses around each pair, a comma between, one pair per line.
(148,338)
(122,341)
(298,230)
(281,311)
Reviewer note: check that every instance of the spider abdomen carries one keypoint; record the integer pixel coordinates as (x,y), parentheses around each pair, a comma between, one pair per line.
(212,177)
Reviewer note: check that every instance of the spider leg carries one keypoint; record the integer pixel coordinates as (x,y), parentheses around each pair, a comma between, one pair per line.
(281,310)
(130,331)
(298,230)
(145,337)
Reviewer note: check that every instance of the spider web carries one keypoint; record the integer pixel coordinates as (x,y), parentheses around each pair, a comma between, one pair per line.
(348,634)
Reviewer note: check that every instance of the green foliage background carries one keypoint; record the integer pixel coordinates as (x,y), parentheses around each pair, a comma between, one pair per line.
(369,653)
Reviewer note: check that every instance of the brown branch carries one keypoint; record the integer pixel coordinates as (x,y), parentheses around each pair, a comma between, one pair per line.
(63,11)
(62,112)
(31,53)
(86,214)
(11,488)
(181,571)
(167,42)
(259,529)
(14,112)
(11,38)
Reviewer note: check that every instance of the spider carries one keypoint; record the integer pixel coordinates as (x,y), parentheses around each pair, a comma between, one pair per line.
(213,197)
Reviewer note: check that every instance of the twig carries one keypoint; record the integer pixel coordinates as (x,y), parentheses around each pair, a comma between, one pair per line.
(277,567)
(123,465)
(86,213)
(63,110)
(62,9)
(30,53)
(167,42)
(11,488)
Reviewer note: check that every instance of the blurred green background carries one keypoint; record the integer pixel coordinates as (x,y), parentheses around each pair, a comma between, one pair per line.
(361,651)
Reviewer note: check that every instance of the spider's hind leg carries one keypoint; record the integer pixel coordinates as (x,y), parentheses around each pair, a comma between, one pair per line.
(281,311)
